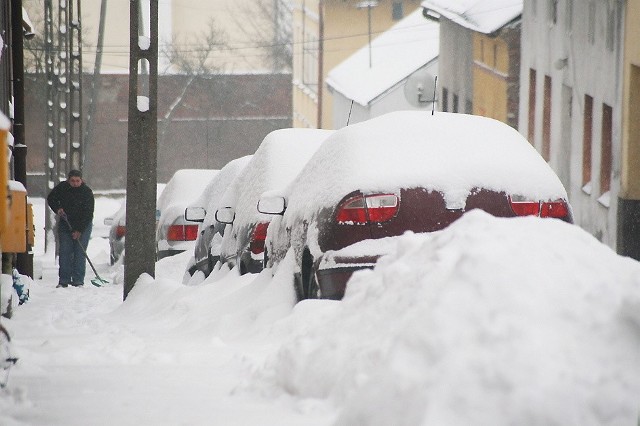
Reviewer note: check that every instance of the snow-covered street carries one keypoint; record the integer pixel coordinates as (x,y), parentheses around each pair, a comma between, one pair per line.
(491,321)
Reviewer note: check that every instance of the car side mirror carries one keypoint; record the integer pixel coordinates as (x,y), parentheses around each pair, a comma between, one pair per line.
(195,214)
(226,215)
(272,204)
(108,221)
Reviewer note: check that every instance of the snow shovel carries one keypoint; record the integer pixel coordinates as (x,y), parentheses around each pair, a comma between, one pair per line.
(97,281)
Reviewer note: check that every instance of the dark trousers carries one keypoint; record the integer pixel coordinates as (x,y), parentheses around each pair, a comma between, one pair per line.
(72,261)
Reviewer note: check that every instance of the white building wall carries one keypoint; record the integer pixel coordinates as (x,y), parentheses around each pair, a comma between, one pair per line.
(591,68)
(392,100)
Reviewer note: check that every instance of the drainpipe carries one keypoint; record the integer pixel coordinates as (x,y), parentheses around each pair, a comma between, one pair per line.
(320,60)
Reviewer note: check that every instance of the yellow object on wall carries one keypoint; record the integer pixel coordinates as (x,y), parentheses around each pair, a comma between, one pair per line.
(31,227)
(14,238)
(4,177)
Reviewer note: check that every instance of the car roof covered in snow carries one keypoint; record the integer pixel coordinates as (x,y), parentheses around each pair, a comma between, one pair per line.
(276,162)
(450,153)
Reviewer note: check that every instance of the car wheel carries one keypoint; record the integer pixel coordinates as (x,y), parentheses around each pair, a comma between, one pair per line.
(298,287)
(310,284)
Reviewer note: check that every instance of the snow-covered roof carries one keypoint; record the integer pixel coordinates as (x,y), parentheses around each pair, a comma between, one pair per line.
(395,54)
(446,152)
(484,16)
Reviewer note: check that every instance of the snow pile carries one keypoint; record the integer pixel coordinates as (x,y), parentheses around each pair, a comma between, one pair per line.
(490,321)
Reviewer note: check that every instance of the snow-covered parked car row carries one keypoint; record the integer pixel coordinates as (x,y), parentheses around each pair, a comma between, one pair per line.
(330,199)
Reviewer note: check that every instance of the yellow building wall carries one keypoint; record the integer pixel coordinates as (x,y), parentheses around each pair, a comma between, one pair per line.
(4,177)
(630,171)
(490,70)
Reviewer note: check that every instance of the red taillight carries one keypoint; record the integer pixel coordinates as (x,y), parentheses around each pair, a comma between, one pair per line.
(382,207)
(360,210)
(525,208)
(121,231)
(352,211)
(182,233)
(256,245)
(557,209)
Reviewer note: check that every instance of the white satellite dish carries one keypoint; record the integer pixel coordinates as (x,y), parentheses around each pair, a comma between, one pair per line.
(419,88)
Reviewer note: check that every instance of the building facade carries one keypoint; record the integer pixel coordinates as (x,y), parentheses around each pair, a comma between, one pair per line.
(325,33)
(628,240)
(479,57)
(571,101)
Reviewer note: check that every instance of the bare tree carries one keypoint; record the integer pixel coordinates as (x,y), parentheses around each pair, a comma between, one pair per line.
(267,25)
(194,58)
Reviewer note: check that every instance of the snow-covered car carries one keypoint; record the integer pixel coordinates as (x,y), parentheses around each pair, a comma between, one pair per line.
(403,171)
(118,228)
(277,161)
(174,234)
(207,248)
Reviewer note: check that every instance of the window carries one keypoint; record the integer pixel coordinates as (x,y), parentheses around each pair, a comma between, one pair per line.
(606,156)
(310,62)
(546,120)
(469,106)
(591,35)
(495,56)
(568,16)
(553,11)
(611,28)
(445,99)
(531,131)
(397,11)
(586,139)
(455,102)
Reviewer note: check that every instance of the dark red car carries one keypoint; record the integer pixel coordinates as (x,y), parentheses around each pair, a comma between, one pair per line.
(404,171)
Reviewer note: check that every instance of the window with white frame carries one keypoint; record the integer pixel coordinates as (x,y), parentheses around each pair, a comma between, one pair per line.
(310,62)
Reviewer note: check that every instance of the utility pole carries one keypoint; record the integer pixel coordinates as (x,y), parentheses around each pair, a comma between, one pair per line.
(76,152)
(24,261)
(142,147)
(320,61)
(50,132)
(95,83)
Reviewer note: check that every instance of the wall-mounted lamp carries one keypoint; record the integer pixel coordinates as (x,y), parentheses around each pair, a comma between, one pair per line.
(561,63)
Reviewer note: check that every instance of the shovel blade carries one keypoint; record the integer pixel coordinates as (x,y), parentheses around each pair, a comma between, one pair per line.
(99,282)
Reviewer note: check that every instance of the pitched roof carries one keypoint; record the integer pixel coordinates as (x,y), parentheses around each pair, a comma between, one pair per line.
(484,16)
(395,54)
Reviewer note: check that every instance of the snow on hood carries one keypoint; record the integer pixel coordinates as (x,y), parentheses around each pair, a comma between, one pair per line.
(212,195)
(278,159)
(485,16)
(452,153)
(491,321)
(404,48)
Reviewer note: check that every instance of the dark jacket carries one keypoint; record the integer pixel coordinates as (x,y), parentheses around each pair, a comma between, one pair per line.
(76,202)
